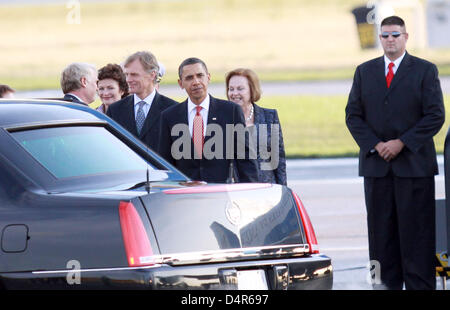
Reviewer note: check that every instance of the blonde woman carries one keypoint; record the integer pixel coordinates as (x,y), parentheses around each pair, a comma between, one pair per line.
(243,88)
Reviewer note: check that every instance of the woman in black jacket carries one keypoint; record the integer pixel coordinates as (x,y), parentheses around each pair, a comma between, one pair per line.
(243,88)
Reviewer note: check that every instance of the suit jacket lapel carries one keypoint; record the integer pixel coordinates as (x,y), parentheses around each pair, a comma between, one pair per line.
(402,71)
(379,72)
(212,114)
(152,116)
(182,117)
(259,117)
(128,115)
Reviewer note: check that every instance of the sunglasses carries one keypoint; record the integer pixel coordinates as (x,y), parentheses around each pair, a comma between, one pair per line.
(395,34)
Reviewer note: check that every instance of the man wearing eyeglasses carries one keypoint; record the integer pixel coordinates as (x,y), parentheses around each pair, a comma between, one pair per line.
(394,109)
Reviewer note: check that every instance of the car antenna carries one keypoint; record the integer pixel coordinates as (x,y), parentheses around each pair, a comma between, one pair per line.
(147,181)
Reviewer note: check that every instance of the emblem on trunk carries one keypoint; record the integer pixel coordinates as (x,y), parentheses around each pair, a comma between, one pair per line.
(233,213)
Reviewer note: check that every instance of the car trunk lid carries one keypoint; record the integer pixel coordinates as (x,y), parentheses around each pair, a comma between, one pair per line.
(225,222)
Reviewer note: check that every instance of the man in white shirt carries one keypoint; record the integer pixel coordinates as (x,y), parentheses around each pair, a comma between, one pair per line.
(140,112)
(200,123)
(79,83)
(394,109)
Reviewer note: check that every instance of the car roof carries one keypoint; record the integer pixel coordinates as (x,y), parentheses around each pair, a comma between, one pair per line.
(25,112)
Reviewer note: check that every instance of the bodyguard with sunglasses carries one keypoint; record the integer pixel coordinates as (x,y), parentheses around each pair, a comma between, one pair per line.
(394,109)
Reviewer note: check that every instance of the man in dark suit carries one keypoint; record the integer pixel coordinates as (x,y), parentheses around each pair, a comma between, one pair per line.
(79,83)
(214,151)
(140,112)
(394,109)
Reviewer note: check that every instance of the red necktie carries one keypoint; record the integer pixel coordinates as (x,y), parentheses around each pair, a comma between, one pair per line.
(197,133)
(390,75)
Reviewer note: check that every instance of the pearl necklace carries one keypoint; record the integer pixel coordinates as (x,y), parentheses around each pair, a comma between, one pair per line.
(250,116)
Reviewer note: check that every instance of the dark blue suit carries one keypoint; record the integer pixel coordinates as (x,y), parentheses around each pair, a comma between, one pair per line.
(411,109)
(71,98)
(399,194)
(122,112)
(215,170)
(269,117)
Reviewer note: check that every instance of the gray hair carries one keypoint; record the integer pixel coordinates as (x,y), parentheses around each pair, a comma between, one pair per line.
(72,75)
(147,60)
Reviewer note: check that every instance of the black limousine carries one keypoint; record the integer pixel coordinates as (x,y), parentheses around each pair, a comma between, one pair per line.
(84,204)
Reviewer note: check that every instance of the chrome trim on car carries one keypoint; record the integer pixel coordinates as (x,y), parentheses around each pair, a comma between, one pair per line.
(232,255)
(38,125)
(95,269)
(205,257)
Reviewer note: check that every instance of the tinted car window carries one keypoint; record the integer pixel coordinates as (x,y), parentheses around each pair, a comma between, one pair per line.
(79,151)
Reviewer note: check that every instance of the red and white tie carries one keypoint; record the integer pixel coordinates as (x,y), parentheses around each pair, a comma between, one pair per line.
(197,133)
(390,75)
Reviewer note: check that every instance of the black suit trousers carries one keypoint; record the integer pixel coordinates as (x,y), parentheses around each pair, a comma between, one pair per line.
(401,229)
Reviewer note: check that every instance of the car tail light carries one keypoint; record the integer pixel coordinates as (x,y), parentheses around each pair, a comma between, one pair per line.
(309,230)
(137,245)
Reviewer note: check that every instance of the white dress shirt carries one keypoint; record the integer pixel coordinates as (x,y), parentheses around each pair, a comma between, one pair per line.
(204,112)
(387,61)
(396,62)
(148,103)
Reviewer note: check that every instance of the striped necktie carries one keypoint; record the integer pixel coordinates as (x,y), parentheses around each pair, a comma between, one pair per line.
(140,117)
(197,133)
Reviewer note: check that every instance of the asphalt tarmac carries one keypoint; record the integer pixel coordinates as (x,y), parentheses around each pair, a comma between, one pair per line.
(333,195)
